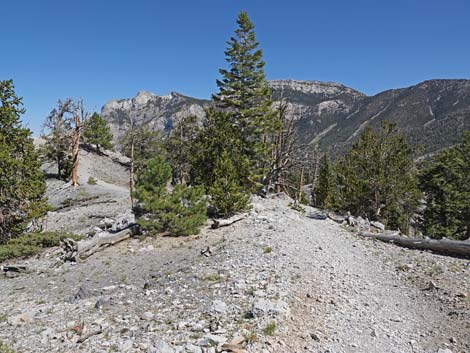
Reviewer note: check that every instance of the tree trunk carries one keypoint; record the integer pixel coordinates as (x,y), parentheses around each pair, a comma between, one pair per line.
(445,246)
(73,251)
(131,173)
(217,223)
(75,149)
(301,184)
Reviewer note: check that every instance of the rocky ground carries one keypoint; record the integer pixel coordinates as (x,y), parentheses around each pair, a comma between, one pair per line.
(277,281)
(103,192)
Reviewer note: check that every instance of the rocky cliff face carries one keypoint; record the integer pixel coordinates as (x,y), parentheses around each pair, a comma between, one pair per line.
(158,112)
(432,113)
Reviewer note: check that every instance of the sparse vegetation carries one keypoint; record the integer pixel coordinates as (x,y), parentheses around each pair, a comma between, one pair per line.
(250,336)
(5,349)
(91,181)
(268,250)
(213,278)
(270,329)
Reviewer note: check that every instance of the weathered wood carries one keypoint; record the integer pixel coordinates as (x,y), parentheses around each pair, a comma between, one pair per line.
(444,246)
(14,268)
(89,334)
(217,223)
(84,249)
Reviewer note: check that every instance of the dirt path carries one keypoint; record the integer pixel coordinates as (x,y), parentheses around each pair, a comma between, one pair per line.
(279,281)
(351,301)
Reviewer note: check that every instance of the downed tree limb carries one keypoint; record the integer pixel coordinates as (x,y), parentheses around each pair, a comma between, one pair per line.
(87,335)
(445,246)
(217,223)
(80,251)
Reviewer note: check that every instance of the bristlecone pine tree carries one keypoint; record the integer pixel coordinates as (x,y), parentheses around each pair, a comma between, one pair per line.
(445,181)
(228,197)
(244,92)
(58,137)
(97,132)
(179,211)
(377,178)
(22,185)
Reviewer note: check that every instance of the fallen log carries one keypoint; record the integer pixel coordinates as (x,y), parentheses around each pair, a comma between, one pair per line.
(443,246)
(217,223)
(84,249)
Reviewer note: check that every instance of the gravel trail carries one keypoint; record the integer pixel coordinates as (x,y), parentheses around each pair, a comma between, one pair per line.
(277,281)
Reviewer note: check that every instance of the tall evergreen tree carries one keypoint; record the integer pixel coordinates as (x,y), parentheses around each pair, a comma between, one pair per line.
(22,185)
(377,178)
(322,193)
(244,91)
(445,181)
(97,132)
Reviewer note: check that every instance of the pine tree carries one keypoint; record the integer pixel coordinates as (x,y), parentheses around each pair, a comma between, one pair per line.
(227,195)
(322,194)
(179,145)
(377,178)
(140,144)
(22,185)
(58,137)
(445,181)
(216,136)
(243,91)
(180,211)
(97,132)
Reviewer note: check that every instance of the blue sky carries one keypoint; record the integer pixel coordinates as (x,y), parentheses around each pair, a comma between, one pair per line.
(103,49)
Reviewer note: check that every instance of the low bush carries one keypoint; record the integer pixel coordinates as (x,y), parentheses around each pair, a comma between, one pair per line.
(91,181)
(31,243)
(5,349)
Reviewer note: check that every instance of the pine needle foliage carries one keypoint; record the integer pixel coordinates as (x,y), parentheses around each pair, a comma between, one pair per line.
(177,211)
(227,195)
(445,181)
(22,185)
(244,92)
(377,178)
(97,132)
(323,193)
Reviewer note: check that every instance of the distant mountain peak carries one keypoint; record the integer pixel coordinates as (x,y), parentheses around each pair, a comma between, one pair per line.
(432,113)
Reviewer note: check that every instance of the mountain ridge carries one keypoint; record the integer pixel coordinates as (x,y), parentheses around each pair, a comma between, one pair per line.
(431,113)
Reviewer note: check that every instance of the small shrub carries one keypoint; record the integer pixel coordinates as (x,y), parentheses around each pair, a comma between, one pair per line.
(91,181)
(268,250)
(250,336)
(181,211)
(30,244)
(213,278)
(270,329)
(5,349)
(297,207)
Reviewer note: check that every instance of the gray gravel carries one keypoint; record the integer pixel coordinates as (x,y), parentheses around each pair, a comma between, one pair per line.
(277,281)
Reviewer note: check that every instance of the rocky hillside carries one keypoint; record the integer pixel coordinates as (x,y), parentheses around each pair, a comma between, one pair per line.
(432,113)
